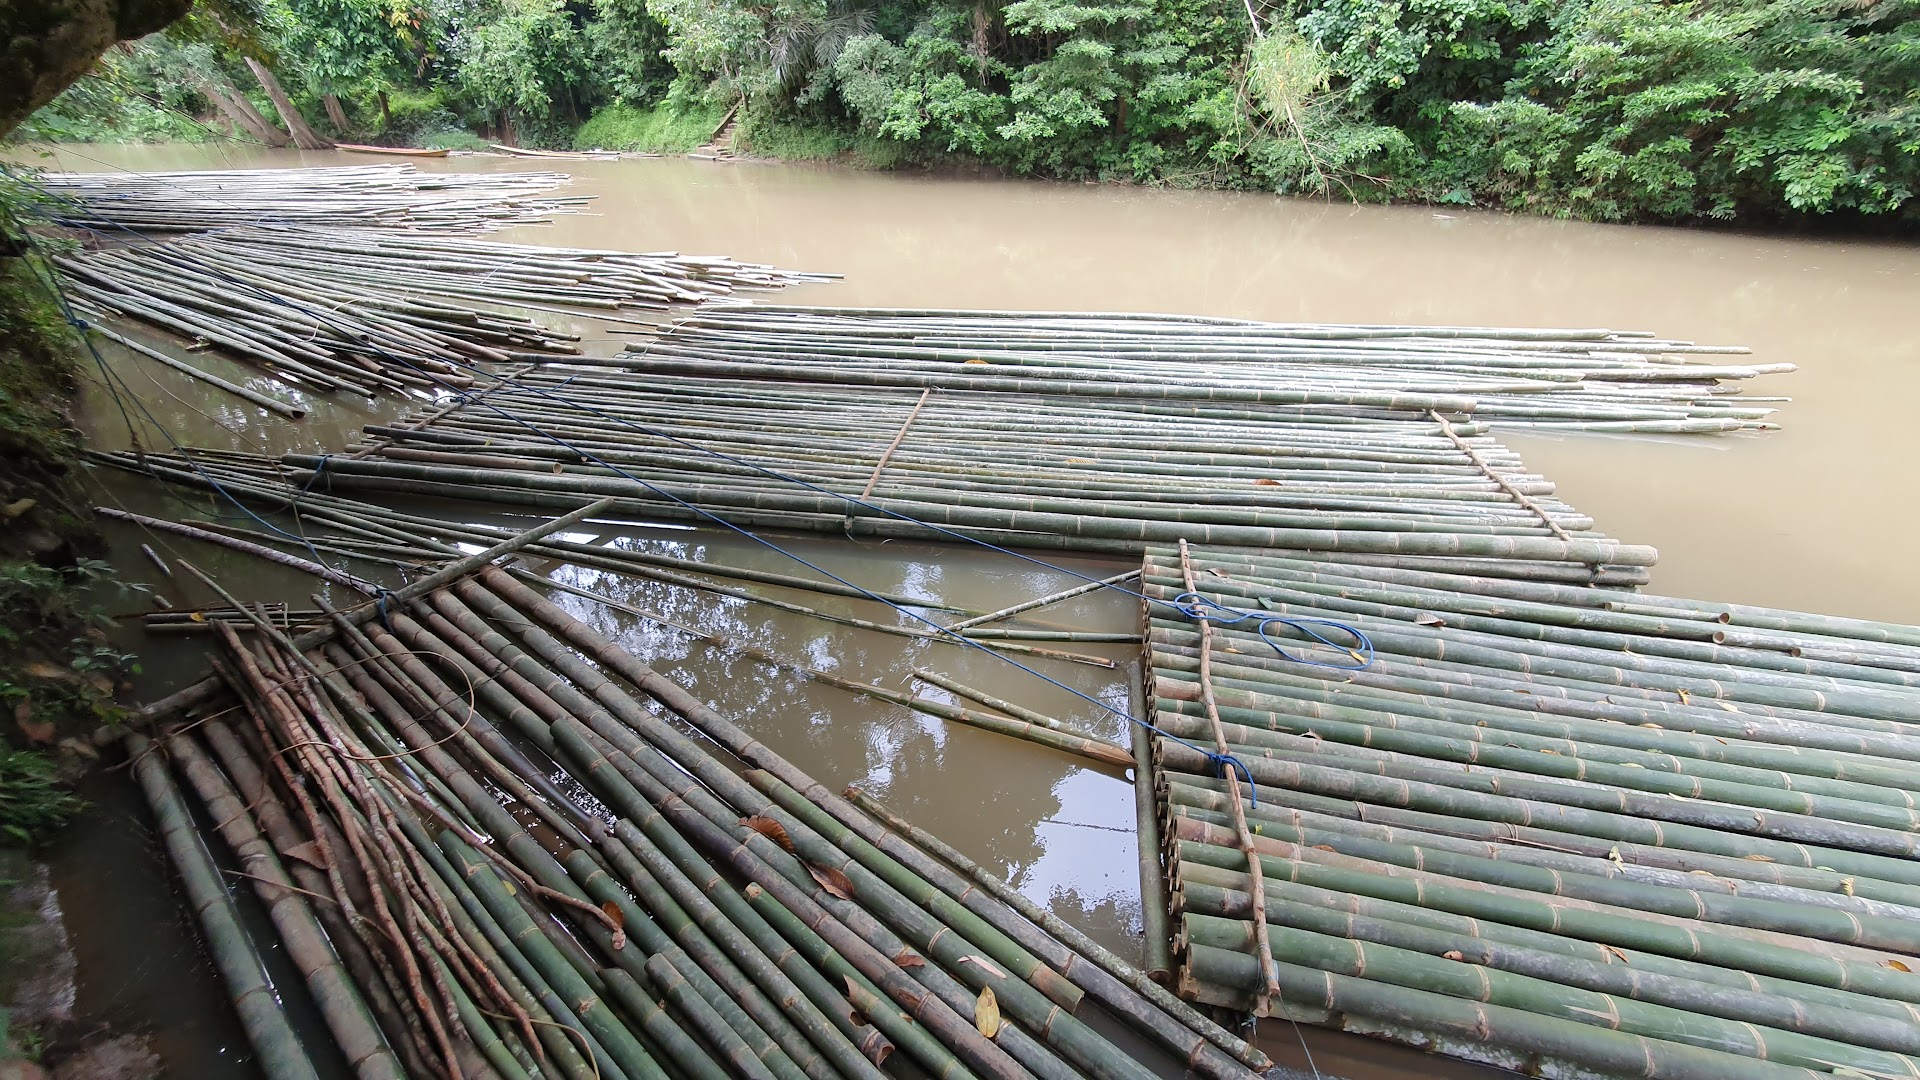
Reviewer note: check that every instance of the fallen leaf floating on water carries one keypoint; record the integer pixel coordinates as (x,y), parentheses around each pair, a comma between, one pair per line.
(986,1013)
(770,829)
(832,880)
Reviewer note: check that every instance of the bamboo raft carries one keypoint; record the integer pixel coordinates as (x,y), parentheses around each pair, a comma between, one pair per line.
(363,311)
(396,195)
(1040,470)
(1567,830)
(486,853)
(1594,380)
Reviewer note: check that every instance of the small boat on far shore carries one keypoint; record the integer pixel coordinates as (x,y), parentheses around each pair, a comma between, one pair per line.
(401,151)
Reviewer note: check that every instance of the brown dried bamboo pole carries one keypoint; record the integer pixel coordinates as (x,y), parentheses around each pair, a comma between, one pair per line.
(280,1051)
(325,573)
(1043,601)
(1270,981)
(887,455)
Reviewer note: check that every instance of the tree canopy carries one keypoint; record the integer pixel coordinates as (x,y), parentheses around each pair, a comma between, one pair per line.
(1769,110)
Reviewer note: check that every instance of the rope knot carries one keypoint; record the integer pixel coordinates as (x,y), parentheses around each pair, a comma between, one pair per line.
(1223,762)
(380,602)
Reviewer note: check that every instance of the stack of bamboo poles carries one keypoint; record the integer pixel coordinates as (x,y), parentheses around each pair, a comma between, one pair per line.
(363,309)
(397,195)
(488,853)
(1573,379)
(1041,470)
(1547,827)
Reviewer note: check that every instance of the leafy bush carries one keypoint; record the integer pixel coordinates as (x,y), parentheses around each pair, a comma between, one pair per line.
(144,92)
(33,801)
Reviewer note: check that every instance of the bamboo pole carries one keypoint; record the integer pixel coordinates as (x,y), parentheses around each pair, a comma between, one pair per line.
(273,1039)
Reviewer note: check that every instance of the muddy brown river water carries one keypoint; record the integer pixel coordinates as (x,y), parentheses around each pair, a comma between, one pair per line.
(1821,515)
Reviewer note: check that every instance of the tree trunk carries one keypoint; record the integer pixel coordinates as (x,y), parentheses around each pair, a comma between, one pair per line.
(244,116)
(303,136)
(50,43)
(335,113)
(386,112)
(275,137)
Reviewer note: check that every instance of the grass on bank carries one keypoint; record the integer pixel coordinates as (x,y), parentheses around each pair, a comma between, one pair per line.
(763,137)
(662,129)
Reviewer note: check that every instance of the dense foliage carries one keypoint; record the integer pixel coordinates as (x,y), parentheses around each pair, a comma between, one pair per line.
(1610,109)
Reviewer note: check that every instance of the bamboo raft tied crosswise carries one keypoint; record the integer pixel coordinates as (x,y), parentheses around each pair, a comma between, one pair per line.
(1043,470)
(396,195)
(1594,380)
(488,852)
(1569,830)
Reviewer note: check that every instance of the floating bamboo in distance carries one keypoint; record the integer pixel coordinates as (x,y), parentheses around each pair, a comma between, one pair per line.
(1570,379)
(363,310)
(397,195)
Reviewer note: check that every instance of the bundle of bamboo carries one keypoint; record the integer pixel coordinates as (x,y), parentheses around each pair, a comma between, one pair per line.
(1608,831)
(455,908)
(355,309)
(1589,380)
(392,195)
(1043,470)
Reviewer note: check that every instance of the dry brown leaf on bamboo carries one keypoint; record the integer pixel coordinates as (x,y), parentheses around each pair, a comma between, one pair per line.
(833,880)
(770,829)
(986,1013)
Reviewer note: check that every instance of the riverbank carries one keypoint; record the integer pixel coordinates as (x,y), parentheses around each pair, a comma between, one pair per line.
(59,683)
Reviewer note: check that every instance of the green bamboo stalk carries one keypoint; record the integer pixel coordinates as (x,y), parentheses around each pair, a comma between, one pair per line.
(334,993)
(272,1038)
(620,1045)
(1189,1020)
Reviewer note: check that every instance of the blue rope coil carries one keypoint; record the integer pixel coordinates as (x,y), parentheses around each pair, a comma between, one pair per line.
(1200,609)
